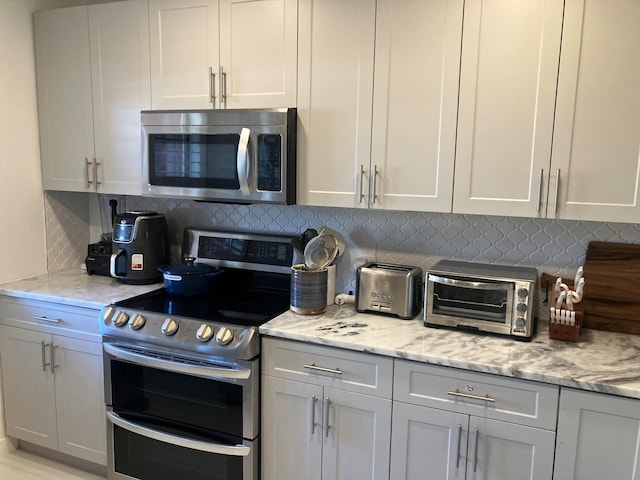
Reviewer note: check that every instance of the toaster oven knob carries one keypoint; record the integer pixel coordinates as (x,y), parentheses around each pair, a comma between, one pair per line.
(120,319)
(520,322)
(521,307)
(137,322)
(170,327)
(523,292)
(224,336)
(204,333)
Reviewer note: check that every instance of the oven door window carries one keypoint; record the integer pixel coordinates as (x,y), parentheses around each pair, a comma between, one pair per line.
(145,458)
(194,160)
(492,303)
(199,402)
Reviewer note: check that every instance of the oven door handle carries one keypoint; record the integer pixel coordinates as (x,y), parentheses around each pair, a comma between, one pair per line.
(197,370)
(228,450)
(454,282)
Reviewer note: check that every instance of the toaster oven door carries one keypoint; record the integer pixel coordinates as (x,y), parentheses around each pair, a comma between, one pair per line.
(464,302)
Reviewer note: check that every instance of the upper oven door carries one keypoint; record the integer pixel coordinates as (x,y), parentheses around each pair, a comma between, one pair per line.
(203,392)
(484,304)
(232,163)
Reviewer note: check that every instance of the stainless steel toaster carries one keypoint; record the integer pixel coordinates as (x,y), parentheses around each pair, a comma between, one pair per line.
(389,288)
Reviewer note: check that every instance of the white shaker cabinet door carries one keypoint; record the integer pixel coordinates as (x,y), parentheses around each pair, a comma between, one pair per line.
(65,112)
(258,53)
(510,55)
(598,437)
(119,39)
(28,385)
(596,146)
(417,70)
(82,430)
(291,430)
(184,54)
(428,443)
(335,89)
(357,432)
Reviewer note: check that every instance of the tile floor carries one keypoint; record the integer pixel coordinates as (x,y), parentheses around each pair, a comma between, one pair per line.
(21,465)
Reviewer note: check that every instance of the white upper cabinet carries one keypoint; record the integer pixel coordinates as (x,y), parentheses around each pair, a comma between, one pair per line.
(335,90)
(391,146)
(92,67)
(223,53)
(65,111)
(415,102)
(508,76)
(596,145)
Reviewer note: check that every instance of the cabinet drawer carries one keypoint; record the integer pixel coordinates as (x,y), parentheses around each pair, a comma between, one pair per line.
(491,396)
(328,366)
(48,316)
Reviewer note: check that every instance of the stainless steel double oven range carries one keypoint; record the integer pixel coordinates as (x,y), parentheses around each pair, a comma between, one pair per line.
(182,377)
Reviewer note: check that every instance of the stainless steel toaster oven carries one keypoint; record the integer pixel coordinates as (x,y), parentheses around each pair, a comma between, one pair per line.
(481,297)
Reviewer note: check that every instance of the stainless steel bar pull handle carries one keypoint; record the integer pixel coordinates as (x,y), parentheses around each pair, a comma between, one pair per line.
(540,190)
(53,358)
(96,164)
(43,347)
(361,182)
(555,200)
(223,87)
(47,319)
(375,181)
(88,164)
(313,366)
(327,404)
(475,451)
(212,87)
(458,393)
(459,440)
(312,414)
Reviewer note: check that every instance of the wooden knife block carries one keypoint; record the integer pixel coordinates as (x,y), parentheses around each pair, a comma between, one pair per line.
(561,331)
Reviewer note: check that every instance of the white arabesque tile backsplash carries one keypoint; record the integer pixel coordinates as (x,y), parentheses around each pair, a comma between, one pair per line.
(557,247)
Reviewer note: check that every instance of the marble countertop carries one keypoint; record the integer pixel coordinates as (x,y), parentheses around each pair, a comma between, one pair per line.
(74,287)
(601,361)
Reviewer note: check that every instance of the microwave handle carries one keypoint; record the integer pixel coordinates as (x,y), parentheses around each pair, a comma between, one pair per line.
(454,282)
(243,163)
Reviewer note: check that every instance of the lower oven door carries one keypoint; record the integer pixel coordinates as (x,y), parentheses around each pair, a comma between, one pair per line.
(176,414)
(142,450)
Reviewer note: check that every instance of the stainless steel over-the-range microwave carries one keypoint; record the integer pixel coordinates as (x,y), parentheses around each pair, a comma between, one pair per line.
(481,297)
(232,156)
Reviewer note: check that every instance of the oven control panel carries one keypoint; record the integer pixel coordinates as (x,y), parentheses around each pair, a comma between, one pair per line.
(180,332)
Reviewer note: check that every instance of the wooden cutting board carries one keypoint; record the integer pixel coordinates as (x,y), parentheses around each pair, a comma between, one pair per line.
(611,299)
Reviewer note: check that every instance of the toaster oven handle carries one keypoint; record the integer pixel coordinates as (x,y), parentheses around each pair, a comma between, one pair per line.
(229,450)
(454,282)
(243,161)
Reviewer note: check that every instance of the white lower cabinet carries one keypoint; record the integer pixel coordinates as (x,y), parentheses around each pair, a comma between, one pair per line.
(326,413)
(598,437)
(52,377)
(450,424)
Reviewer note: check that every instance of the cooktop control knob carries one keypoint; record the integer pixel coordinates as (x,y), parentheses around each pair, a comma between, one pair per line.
(523,292)
(170,327)
(120,319)
(137,322)
(205,333)
(224,336)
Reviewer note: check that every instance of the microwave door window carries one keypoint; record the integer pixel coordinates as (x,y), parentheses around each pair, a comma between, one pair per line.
(490,305)
(194,160)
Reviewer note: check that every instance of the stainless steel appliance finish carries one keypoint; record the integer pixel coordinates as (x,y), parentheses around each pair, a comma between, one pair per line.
(389,288)
(232,156)
(182,384)
(481,297)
